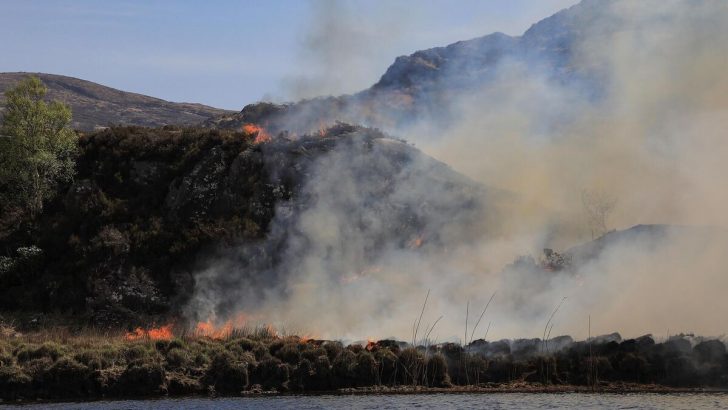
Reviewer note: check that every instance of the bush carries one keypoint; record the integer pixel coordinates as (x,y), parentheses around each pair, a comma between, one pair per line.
(14,383)
(289,353)
(227,375)
(141,379)
(49,350)
(179,384)
(333,349)
(272,374)
(67,378)
(366,369)
(177,358)
(436,374)
(344,369)
(387,362)
(92,359)
(302,375)
(411,363)
(321,378)
(313,353)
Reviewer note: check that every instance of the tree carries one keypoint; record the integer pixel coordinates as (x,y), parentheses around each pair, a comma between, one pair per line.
(37,147)
(597,206)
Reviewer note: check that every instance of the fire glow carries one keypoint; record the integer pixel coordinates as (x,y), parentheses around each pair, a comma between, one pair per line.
(159,333)
(261,135)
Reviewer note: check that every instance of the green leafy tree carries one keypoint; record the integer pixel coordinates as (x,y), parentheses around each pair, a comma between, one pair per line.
(37,147)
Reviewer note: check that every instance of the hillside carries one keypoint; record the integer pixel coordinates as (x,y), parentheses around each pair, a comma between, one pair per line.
(150,209)
(95,105)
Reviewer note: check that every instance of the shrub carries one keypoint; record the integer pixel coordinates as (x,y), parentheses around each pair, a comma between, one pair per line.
(366,369)
(302,374)
(67,378)
(271,373)
(387,362)
(313,353)
(226,374)
(14,383)
(436,374)
(93,359)
(411,364)
(50,350)
(180,384)
(289,354)
(177,358)
(344,368)
(321,377)
(333,349)
(141,379)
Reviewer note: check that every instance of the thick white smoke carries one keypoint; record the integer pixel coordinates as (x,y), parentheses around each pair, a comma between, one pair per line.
(651,134)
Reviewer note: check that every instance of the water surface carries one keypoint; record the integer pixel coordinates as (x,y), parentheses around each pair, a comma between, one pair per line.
(421,401)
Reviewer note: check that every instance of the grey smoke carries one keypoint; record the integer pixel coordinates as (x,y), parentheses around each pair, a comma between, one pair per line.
(638,113)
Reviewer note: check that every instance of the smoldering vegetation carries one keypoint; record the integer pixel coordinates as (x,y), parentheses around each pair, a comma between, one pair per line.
(250,361)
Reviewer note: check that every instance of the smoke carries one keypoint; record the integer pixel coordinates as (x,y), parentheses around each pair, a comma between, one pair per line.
(644,123)
(342,52)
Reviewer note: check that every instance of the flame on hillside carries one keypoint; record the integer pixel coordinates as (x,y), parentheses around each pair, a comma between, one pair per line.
(239,325)
(261,135)
(415,242)
(158,333)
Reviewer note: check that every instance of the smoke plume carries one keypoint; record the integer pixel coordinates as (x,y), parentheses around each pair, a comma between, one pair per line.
(644,124)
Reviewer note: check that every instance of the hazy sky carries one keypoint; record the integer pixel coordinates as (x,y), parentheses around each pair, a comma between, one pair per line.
(229,53)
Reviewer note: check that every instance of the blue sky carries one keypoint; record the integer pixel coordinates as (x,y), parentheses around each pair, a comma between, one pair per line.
(230,53)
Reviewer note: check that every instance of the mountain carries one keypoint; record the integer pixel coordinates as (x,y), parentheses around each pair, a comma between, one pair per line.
(427,82)
(95,105)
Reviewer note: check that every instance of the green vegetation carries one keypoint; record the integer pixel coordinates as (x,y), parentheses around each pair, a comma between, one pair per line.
(92,365)
(119,241)
(37,148)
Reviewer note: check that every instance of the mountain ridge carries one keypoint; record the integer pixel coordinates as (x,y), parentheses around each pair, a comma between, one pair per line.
(425,83)
(96,106)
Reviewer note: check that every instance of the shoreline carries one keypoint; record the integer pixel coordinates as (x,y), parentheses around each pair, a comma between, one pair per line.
(81,368)
(511,388)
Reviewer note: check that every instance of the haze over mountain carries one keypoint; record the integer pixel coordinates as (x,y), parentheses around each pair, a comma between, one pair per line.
(425,84)
(94,105)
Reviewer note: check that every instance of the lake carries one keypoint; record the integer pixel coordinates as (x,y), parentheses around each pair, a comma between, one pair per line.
(422,401)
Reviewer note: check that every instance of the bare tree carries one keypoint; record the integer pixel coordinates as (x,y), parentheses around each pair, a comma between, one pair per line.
(597,206)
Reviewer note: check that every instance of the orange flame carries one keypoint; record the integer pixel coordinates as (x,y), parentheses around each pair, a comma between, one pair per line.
(208,329)
(371,344)
(271,331)
(415,242)
(159,333)
(261,135)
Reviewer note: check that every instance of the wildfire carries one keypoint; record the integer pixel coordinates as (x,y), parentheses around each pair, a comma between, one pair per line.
(415,242)
(353,277)
(306,338)
(371,344)
(159,333)
(261,135)
(208,329)
(271,331)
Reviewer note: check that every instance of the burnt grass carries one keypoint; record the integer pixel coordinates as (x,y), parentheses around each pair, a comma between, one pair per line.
(94,367)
